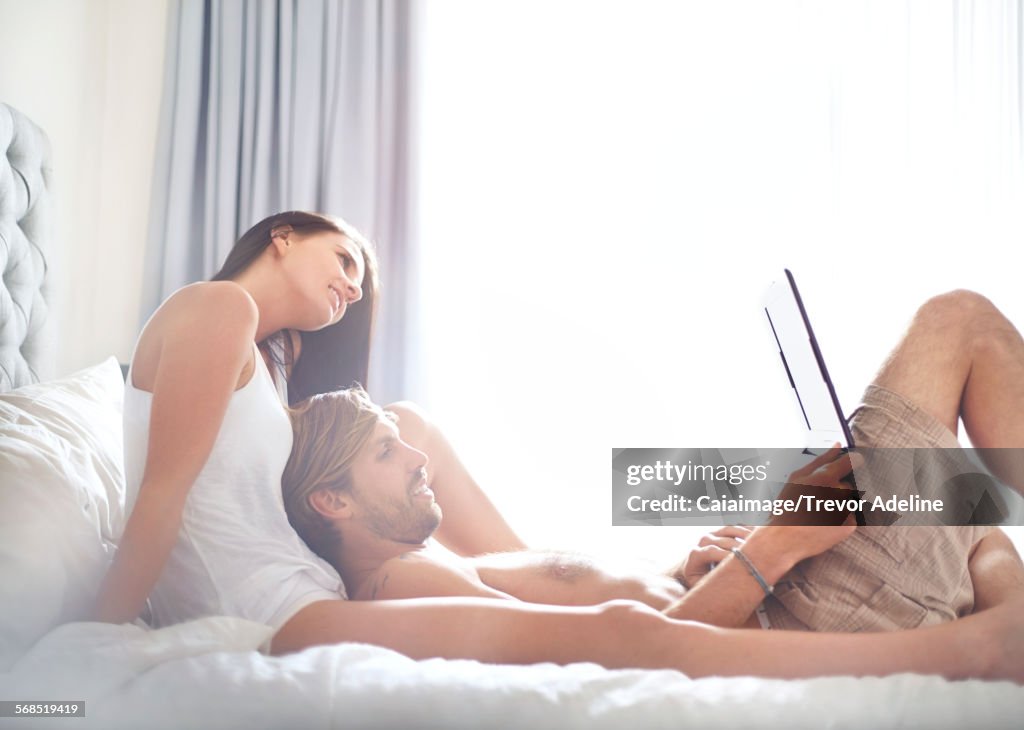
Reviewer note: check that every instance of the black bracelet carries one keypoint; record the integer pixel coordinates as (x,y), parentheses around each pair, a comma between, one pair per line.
(768,590)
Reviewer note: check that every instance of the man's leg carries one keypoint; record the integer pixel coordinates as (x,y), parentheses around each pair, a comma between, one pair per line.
(997,573)
(961,358)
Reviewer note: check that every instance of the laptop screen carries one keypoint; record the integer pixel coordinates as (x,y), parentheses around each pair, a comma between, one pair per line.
(804,366)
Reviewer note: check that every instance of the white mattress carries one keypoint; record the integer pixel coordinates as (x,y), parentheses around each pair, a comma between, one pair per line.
(209,674)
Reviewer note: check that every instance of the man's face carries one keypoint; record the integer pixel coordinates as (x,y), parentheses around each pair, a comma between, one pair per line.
(390,496)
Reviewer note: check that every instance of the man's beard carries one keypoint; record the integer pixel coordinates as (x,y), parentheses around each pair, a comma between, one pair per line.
(402,520)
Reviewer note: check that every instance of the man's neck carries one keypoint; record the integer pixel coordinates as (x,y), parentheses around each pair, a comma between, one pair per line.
(362,553)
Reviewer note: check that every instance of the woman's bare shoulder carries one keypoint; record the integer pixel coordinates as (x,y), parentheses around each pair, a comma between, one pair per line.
(235,299)
(207,306)
(205,320)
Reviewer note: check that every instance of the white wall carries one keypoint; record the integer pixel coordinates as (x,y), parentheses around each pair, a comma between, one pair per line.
(89,72)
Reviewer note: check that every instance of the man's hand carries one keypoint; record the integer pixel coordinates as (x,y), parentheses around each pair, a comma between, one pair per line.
(711,549)
(790,533)
(787,538)
(822,477)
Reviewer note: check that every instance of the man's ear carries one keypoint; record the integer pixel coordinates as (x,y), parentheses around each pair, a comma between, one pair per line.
(331,504)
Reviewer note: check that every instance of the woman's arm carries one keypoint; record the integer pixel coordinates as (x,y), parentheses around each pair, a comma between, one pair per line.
(472,525)
(206,343)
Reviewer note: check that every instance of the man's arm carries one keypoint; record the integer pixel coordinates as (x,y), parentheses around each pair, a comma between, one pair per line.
(554,578)
(574,579)
(996,571)
(729,594)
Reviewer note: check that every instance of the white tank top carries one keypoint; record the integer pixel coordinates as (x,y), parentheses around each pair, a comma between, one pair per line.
(236,553)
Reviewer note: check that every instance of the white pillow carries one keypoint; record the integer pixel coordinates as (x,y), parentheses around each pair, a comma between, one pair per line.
(61,500)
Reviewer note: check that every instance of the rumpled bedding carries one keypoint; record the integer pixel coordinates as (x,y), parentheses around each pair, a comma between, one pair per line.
(209,673)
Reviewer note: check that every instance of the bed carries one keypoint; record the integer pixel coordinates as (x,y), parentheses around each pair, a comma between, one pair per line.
(62,511)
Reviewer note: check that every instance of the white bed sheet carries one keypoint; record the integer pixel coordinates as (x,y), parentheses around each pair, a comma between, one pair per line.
(209,674)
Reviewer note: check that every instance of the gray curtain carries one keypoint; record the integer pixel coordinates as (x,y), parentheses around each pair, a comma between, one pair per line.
(302,105)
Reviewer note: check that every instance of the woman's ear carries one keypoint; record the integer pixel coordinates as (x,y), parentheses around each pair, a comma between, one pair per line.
(281,239)
(331,504)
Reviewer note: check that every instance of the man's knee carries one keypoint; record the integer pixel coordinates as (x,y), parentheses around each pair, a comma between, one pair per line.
(952,307)
(413,423)
(985,330)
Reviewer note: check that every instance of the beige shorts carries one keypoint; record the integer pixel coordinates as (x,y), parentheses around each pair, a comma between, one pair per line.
(884,578)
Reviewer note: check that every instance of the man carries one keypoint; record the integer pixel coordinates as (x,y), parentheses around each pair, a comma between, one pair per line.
(366,507)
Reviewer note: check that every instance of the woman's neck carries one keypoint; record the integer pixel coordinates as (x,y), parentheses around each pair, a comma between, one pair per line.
(257,280)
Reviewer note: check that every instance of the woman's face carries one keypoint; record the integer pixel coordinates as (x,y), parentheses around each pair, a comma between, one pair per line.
(327,271)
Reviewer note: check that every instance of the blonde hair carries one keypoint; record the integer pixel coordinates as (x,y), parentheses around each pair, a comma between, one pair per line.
(329,430)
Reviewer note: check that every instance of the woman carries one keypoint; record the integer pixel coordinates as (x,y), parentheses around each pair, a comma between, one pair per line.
(197,390)
(207,438)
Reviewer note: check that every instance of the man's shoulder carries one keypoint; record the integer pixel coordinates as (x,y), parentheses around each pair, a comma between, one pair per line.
(375,585)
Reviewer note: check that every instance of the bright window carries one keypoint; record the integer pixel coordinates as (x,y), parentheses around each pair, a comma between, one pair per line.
(608,187)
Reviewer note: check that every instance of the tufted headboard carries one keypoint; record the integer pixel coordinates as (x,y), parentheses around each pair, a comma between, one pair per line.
(26,245)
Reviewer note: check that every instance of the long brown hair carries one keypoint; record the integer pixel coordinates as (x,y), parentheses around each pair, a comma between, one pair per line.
(334,356)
